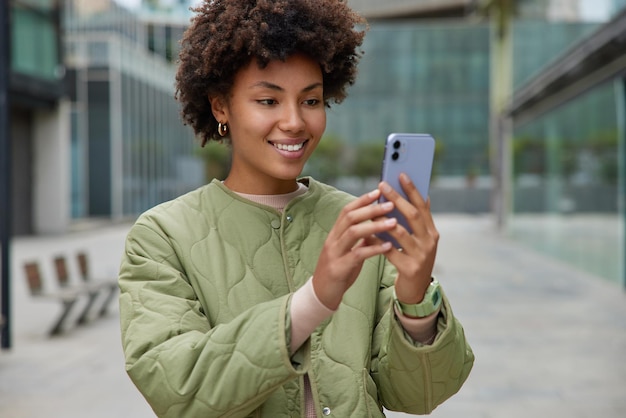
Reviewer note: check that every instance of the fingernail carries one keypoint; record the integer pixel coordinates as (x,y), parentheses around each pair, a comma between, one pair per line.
(386,245)
(386,187)
(387,205)
(374,193)
(404,178)
(390,221)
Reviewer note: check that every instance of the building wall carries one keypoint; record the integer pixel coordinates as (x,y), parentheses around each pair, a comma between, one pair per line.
(36,89)
(40,170)
(21,171)
(51,174)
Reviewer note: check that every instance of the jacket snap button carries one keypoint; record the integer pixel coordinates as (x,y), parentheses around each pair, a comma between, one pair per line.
(275,223)
(326,411)
(289,218)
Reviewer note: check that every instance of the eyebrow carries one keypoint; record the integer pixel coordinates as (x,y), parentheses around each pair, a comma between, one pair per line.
(272,86)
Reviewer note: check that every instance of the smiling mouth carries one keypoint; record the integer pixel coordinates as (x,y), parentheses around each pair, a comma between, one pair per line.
(290,148)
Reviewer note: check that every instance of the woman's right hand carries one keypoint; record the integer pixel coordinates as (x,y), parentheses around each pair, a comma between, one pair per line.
(349,243)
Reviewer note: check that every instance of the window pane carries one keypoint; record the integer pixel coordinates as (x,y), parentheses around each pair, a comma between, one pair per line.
(34,49)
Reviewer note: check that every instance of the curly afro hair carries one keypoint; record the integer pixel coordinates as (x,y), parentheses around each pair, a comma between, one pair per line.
(225,35)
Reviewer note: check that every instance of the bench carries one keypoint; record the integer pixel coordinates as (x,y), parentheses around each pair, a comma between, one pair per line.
(67,296)
(92,292)
(108,284)
(68,292)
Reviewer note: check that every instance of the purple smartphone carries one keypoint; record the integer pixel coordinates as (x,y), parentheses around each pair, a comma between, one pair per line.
(411,154)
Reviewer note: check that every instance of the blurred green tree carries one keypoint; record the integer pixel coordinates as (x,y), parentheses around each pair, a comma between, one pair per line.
(329,161)
(368,159)
(216,158)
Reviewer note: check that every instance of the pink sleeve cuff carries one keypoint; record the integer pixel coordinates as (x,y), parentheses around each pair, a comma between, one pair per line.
(422,330)
(307,312)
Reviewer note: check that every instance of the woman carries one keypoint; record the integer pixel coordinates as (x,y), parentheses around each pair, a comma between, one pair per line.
(266,295)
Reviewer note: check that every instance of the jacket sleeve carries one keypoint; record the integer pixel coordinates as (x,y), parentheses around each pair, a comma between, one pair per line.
(184,366)
(412,377)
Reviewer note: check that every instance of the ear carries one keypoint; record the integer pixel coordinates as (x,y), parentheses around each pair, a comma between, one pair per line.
(219,108)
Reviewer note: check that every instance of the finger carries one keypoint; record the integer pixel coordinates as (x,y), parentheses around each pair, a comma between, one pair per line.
(361,231)
(365,251)
(416,198)
(392,195)
(361,211)
(405,238)
(411,191)
(410,212)
(364,200)
(375,240)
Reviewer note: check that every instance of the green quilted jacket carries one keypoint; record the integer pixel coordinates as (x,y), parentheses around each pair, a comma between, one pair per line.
(206,281)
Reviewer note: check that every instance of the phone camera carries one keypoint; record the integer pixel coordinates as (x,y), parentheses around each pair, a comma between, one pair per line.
(396,144)
(395,155)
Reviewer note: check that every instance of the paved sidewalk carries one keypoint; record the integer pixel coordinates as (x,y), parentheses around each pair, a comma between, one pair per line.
(549,340)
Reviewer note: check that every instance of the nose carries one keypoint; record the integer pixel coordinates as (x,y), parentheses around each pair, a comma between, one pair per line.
(292,119)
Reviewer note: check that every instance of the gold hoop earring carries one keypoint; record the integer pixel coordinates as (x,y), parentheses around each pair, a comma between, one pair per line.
(222,128)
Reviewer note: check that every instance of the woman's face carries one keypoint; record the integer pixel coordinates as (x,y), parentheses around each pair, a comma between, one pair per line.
(276,117)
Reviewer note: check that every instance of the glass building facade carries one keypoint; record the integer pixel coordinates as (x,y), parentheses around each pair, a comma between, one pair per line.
(537,42)
(566,183)
(422,77)
(568,172)
(434,76)
(130,150)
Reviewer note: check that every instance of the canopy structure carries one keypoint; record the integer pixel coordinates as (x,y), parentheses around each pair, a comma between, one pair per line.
(599,58)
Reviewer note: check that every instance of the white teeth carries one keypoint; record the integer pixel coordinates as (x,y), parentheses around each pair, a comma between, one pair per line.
(292,148)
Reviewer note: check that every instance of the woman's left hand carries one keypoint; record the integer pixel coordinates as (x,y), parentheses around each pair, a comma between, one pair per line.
(416,259)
